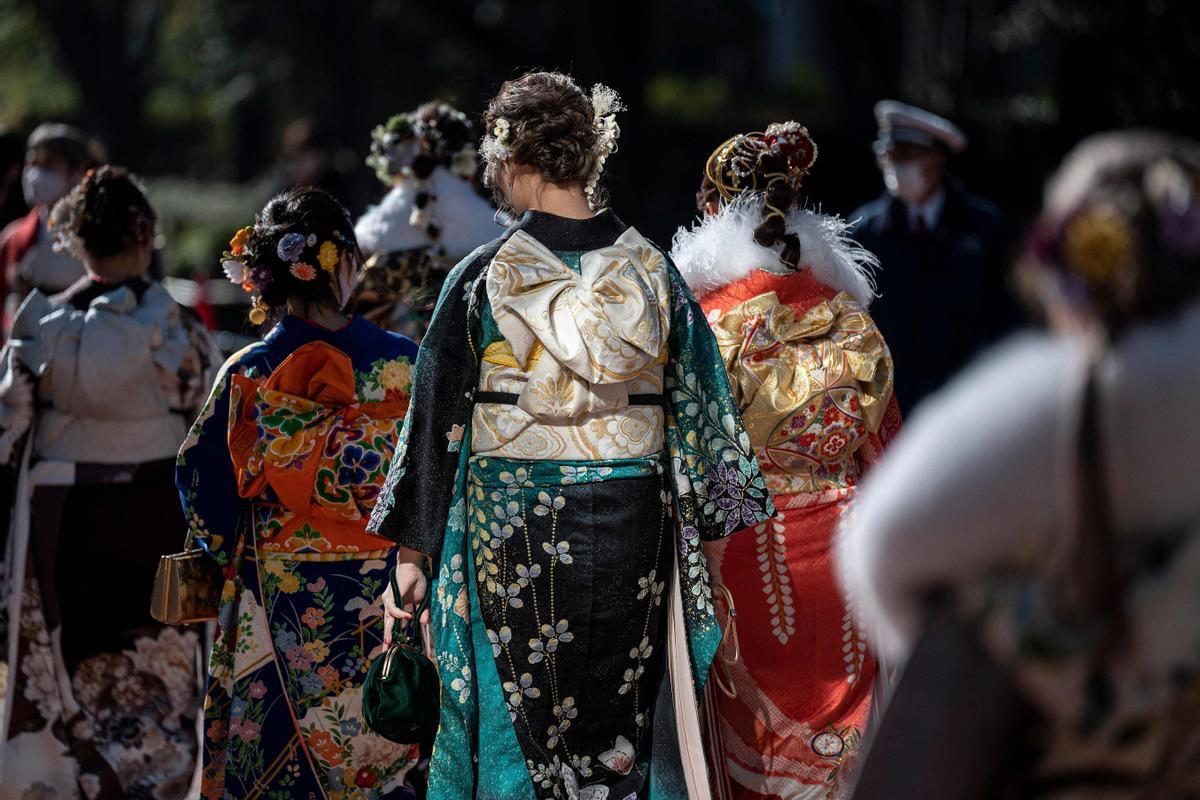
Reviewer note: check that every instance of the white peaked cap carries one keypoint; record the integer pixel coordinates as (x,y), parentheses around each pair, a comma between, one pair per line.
(900,122)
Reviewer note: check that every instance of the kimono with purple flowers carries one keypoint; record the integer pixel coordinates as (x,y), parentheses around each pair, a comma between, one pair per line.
(277,478)
(571,442)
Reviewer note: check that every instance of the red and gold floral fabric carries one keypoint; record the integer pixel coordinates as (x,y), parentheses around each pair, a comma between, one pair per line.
(792,685)
(810,372)
(313,455)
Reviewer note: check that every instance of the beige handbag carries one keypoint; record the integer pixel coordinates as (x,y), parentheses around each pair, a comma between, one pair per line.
(187,587)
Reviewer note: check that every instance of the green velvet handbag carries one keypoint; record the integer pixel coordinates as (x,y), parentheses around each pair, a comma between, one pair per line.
(401,694)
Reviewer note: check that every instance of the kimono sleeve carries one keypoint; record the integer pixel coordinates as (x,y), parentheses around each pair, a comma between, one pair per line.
(204,474)
(415,501)
(719,486)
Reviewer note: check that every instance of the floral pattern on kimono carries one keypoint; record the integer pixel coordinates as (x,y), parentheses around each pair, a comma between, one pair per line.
(277,479)
(97,699)
(714,488)
(794,683)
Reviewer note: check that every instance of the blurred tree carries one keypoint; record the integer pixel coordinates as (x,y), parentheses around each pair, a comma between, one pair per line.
(34,85)
(108,47)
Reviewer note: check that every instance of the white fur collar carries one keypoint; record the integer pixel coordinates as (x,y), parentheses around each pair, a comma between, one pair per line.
(466,219)
(720,250)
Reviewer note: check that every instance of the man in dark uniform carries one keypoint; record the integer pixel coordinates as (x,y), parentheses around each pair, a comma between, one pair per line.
(943,254)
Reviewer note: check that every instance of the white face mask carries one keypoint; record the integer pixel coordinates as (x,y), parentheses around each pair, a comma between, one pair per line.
(42,186)
(906,181)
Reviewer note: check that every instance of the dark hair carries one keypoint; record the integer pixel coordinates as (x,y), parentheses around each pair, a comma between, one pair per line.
(454,130)
(552,128)
(69,143)
(105,213)
(1119,234)
(774,164)
(319,219)
(432,136)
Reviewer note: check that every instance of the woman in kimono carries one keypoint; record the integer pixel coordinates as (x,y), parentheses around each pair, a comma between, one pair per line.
(432,217)
(571,443)
(786,294)
(277,478)
(96,387)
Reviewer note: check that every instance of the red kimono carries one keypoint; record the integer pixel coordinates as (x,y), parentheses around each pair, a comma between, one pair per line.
(791,689)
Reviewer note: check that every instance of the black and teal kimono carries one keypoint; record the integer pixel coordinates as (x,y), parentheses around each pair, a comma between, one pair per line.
(557,583)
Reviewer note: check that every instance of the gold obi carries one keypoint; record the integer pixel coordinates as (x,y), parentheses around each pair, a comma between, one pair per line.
(575,346)
(812,385)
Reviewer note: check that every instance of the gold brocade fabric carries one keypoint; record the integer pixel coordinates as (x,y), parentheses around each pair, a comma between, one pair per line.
(811,389)
(576,345)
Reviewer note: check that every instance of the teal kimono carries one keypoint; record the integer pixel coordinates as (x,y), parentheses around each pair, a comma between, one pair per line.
(554,578)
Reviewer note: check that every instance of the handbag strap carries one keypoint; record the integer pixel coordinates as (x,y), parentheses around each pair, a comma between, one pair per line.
(415,624)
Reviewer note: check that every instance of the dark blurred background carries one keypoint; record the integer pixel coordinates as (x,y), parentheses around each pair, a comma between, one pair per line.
(217,103)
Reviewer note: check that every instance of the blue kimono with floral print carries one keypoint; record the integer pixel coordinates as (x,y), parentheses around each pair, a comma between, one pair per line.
(299,614)
(716,490)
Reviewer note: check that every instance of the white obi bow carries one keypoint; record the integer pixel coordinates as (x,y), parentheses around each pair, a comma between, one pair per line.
(590,332)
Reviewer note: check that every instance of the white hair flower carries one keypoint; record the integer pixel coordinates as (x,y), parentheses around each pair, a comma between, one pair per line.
(234,270)
(495,145)
(606,104)
(500,131)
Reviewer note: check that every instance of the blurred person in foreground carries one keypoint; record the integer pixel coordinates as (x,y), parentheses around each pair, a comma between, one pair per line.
(96,386)
(942,252)
(429,221)
(1000,463)
(56,158)
(786,293)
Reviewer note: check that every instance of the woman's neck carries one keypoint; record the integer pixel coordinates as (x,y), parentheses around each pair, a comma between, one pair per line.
(321,315)
(569,202)
(116,269)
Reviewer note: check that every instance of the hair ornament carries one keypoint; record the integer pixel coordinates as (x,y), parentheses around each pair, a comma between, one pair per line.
(235,271)
(606,104)
(495,144)
(734,167)
(302,272)
(411,144)
(328,256)
(258,311)
(1098,244)
(235,263)
(290,246)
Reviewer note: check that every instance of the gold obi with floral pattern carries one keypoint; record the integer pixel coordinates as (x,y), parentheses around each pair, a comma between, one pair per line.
(813,381)
(576,345)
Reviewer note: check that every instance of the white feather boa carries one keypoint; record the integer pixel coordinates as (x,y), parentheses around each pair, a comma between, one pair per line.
(720,250)
(466,219)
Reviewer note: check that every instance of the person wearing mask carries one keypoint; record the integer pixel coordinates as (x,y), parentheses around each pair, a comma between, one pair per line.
(97,384)
(941,249)
(56,158)
(1055,508)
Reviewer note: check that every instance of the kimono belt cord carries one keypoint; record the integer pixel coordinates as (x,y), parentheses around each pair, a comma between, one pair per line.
(510,399)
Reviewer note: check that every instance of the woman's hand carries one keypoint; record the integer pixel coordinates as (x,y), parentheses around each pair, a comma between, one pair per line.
(411,581)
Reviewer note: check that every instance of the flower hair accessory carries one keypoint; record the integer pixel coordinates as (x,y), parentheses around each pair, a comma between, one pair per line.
(495,144)
(295,250)
(414,142)
(1098,244)
(606,104)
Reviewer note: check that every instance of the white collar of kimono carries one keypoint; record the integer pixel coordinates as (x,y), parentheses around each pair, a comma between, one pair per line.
(598,328)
